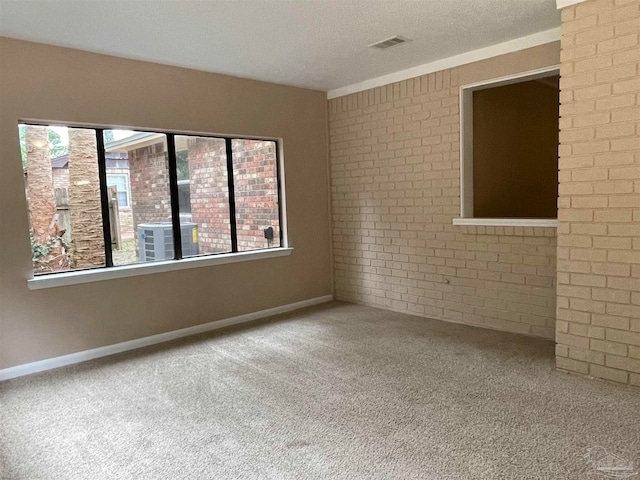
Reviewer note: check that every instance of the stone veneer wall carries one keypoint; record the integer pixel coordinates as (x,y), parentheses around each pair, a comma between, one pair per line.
(395,168)
(598,328)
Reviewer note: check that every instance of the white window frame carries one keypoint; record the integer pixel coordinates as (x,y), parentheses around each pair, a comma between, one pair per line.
(128,190)
(466,151)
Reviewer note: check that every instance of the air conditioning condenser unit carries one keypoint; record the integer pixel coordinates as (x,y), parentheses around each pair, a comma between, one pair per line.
(155,240)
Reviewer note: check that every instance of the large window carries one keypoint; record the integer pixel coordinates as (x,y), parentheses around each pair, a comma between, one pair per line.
(129,197)
(509,164)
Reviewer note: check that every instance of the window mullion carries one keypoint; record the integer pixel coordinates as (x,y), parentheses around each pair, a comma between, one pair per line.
(279,186)
(232,197)
(104,198)
(175,202)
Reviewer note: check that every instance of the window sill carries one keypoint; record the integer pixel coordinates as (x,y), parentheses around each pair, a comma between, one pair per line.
(507,222)
(99,274)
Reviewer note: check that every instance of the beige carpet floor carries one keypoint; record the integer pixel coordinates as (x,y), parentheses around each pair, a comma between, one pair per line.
(337,391)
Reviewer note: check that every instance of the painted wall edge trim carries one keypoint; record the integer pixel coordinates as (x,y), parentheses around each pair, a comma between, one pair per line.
(78,357)
(529,41)
(567,3)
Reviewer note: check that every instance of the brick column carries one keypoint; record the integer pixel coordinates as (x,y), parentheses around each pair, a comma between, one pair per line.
(598,314)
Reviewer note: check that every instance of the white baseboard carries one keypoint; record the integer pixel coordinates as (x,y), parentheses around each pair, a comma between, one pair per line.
(56,362)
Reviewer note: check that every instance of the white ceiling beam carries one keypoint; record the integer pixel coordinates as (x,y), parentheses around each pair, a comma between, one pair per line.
(566,3)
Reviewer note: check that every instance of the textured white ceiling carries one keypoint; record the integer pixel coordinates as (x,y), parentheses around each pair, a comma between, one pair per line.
(319,44)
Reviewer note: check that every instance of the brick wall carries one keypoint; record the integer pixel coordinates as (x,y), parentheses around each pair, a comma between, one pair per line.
(149,178)
(598,328)
(256,188)
(254,179)
(395,167)
(209,193)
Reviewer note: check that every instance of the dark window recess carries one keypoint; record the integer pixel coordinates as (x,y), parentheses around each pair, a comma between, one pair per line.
(515,150)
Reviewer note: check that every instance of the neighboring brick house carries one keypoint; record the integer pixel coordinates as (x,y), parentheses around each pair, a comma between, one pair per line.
(203,187)
(256,188)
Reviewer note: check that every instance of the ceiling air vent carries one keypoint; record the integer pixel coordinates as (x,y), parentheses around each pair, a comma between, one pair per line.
(389,42)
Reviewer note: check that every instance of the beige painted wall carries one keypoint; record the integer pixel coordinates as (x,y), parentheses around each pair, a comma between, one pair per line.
(57,84)
(395,167)
(598,328)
